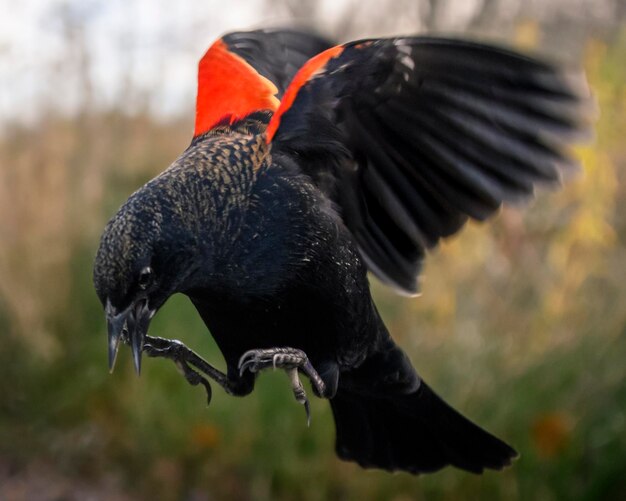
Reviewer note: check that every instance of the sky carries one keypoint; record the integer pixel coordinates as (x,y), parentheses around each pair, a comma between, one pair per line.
(135,48)
(146,45)
(145,52)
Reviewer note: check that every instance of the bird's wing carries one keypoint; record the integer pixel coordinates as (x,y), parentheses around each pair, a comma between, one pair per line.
(247,72)
(277,54)
(411,136)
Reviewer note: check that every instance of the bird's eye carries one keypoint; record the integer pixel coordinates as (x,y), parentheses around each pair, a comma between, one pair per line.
(145,277)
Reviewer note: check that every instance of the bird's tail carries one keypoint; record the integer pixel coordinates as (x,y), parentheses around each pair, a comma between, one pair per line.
(414,431)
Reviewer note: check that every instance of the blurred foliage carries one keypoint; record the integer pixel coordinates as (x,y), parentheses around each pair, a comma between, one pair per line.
(522,326)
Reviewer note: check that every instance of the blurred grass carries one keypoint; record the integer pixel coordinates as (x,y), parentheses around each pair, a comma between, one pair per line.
(522,326)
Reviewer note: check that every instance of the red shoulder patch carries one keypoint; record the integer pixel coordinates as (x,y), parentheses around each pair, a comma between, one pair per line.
(229,88)
(308,71)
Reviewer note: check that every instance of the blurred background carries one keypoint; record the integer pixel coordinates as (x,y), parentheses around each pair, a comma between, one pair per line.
(521,325)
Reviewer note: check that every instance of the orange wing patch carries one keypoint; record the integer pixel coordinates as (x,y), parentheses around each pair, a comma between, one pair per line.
(229,88)
(309,70)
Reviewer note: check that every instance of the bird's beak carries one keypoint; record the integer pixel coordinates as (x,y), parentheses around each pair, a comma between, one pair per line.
(129,326)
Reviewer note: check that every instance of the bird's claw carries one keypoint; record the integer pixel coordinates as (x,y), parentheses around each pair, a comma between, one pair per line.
(299,393)
(194,379)
(290,360)
(282,358)
(178,352)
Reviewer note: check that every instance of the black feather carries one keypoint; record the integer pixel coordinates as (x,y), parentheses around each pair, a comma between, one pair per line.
(276,54)
(392,145)
(388,418)
(448,129)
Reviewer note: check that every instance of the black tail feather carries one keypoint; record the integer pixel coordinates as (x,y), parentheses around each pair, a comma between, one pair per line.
(417,433)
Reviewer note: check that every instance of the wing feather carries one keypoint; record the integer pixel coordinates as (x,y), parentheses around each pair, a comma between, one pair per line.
(420,134)
(277,54)
(244,73)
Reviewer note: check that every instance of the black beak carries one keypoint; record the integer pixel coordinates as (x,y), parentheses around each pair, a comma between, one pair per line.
(129,326)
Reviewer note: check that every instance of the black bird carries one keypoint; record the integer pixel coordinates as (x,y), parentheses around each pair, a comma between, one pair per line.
(302,175)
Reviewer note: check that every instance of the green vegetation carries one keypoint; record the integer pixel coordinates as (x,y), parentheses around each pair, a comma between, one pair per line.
(522,326)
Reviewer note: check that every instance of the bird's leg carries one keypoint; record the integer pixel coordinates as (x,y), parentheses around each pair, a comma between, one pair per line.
(183,357)
(290,360)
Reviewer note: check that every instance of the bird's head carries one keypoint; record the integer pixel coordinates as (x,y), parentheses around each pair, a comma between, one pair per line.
(145,256)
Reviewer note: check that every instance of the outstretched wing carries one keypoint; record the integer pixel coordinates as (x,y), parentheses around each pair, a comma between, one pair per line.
(411,136)
(246,72)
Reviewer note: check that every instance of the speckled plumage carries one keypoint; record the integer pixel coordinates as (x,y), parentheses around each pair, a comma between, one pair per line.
(380,149)
(258,230)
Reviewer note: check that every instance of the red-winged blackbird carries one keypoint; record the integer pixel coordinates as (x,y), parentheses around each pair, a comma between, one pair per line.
(305,173)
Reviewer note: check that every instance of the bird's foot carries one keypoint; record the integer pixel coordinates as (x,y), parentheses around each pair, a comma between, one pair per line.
(290,360)
(184,358)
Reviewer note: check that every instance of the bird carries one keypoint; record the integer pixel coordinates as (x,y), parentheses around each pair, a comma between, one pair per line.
(311,164)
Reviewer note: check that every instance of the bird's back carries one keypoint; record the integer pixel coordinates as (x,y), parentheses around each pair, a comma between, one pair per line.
(283,255)
(289,192)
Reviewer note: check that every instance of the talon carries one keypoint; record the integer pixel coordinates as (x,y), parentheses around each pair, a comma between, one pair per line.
(290,360)
(194,378)
(308,413)
(300,393)
(185,359)
(243,357)
(207,386)
(246,361)
(247,365)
